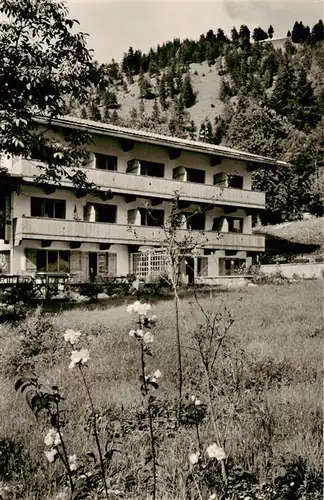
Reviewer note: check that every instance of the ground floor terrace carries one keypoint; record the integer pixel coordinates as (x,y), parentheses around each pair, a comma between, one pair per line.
(80,262)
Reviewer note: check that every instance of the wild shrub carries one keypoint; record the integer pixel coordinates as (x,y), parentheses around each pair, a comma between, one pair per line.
(33,341)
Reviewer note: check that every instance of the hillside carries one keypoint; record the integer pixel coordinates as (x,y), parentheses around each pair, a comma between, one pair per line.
(295,241)
(206,83)
(244,92)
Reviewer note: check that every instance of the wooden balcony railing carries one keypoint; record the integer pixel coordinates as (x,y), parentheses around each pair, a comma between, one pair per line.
(38,228)
(139,185)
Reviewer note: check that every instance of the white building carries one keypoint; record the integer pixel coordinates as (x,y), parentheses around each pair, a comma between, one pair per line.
(62,230)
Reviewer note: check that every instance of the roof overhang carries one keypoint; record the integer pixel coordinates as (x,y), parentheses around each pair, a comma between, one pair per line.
(123,133)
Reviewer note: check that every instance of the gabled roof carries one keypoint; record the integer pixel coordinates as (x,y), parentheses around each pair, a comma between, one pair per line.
(107,129)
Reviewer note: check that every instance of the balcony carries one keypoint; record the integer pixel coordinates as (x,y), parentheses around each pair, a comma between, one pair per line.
(138,185)
(37,228)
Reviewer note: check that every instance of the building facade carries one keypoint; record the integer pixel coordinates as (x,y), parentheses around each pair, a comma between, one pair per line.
(62,230)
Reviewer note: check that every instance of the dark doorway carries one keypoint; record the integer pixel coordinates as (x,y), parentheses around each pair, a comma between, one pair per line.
(93,265)
(190,269)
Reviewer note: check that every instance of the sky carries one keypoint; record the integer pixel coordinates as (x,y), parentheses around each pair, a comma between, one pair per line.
(115,26)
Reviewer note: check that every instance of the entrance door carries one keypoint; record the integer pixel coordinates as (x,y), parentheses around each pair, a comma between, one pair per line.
(190,269)
(93,265)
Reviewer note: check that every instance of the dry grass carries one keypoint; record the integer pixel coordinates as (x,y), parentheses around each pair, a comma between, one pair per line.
(303,231)
(272,412)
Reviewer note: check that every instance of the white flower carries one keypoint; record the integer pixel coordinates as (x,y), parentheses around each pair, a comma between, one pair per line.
(73,462)
(79,358)
(214,451)
(194,458)
(197,402)
(132,333)
(139,333)
(139,308)
(143,309)
(50,455)
(153,319)
(133,307)
(52,438)
(148,337)
(157,374)
(212,497)
(193,398)
(72,336)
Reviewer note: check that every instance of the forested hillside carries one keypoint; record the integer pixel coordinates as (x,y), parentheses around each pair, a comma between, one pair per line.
(239,91)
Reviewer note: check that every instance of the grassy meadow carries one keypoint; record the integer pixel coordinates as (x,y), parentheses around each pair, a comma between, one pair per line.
(267,398)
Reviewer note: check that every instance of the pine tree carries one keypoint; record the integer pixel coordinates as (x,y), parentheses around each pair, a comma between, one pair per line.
(225,90)
(163,92)
(270,31)
(115,118)
(156,115)
(244,37)
(106,115)
(192,129)
(259,34)
(94,113)
(188,95)
(142,107)
(110,100)
(169,80)
(306,113)
(202,132)
(317,34)
(282,98)
(208,131)
(234,35)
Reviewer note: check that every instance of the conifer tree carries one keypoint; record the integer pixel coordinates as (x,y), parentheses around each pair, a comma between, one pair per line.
(188,95)
(94,113)
(156,115)
(270,31)
(234,36)
(317,34)
(163,92)
(259,34)
(115,118)
(192,129)
(84,115)
(106,114)
(142,107)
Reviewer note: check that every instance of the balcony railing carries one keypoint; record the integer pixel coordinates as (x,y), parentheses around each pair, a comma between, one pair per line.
(140,185)
(38,228)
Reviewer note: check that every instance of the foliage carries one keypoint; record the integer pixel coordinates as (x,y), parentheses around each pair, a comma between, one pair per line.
(260,384)
(34,342)
(44,61)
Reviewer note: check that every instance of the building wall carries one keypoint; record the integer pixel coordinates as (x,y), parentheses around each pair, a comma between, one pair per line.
(21,205)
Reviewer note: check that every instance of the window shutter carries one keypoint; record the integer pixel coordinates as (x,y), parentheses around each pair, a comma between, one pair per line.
(112,264)
(31,260)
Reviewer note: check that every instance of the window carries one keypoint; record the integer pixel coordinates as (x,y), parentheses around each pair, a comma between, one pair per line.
(195,221)
(104,213)
(202,266)
(151,168)
(52,261)
(148,264)
(107,264)
(232,267)
(235,181)
(151,217)
(218,224)
(195,175)
(44,207)
(106,162)
(235,225)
